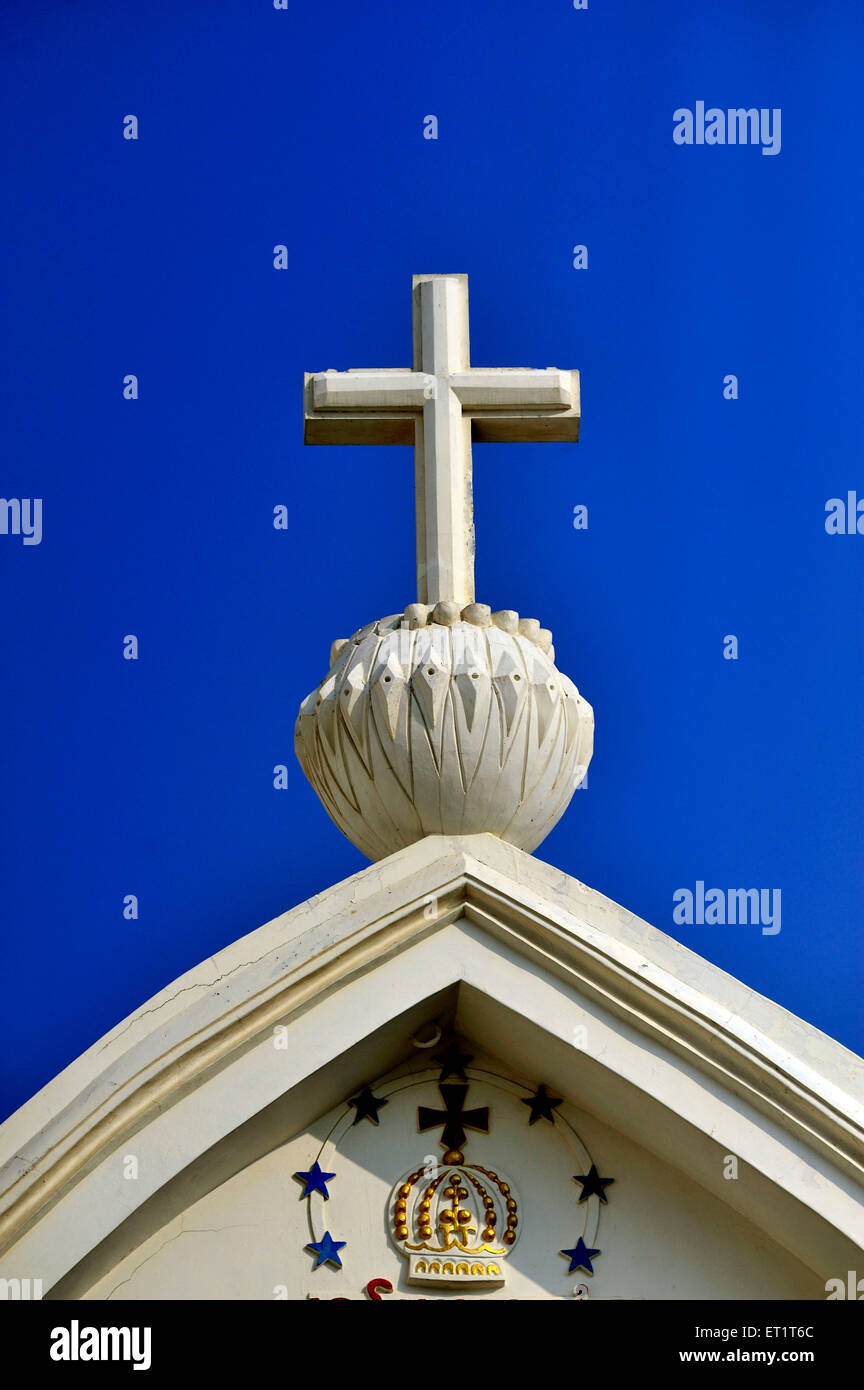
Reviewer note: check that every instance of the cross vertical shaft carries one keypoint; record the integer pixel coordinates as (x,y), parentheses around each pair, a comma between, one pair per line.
(440,406)
(442,442)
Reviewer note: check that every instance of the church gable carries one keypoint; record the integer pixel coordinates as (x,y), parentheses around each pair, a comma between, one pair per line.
(456,1177)
(467,934)
(617,1099)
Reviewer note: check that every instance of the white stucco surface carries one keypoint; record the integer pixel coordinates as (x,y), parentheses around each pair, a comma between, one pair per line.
(674,1058)
(661,1235)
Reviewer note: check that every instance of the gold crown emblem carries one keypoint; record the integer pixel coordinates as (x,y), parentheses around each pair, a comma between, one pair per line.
(456,1222)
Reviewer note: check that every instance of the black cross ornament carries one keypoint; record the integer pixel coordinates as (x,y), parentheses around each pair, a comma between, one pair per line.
(454,1119)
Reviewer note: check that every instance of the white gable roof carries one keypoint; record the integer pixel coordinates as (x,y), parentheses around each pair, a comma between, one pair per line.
(592,1000)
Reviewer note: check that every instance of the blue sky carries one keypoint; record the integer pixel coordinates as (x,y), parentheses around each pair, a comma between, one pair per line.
(304,127)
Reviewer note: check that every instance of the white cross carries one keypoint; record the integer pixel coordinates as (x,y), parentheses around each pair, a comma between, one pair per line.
(440,407)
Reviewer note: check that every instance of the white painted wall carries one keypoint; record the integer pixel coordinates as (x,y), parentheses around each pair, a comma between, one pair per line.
(661,1235)
(654,1042)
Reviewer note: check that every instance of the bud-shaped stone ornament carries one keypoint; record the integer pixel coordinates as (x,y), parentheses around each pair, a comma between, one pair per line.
(442,727)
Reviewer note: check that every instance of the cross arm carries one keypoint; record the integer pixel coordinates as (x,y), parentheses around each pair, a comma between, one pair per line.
(515,387)
(386,389)
(508,404)
(361,407)
(519,405)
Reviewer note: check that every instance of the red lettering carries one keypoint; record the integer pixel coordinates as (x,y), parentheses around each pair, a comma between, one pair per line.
(372,1289)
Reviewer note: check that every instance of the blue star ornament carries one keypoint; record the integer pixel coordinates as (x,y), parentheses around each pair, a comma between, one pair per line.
(327,1249)
(316,1180)
(580,1257)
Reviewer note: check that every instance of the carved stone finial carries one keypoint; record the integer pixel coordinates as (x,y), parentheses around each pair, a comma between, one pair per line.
(449,719)
(445,728)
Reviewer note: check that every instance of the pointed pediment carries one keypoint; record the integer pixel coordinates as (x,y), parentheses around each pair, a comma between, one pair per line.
(565,985)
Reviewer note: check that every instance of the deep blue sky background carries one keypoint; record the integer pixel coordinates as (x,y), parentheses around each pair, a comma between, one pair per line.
(304,127)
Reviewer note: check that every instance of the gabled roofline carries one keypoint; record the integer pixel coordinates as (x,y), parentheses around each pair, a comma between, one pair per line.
(789,1071)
